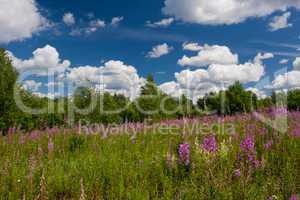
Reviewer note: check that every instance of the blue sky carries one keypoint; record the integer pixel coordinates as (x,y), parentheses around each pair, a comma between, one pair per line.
(131,40)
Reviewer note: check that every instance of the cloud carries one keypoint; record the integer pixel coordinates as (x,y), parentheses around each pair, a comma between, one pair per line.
(192,47)
(280,22)
(115,21)
(69,19)
(209,55)
(171,88)
(31,85)
(162,23)
(196,83)
(289,80)
(219,12)
(48,95)
(19,20)
(283,61)
(94,25)
(54,84)
(259,93)
(113,76)
(260,57)
(45,60)
(296,64)
(159,50)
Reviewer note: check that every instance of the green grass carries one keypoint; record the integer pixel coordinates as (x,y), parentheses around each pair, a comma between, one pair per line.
(120,167)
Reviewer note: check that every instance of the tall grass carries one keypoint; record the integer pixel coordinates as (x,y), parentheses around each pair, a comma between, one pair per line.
(62,164)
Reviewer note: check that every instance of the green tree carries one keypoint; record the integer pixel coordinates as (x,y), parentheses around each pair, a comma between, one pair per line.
(186,107)
(293,100)
(148,104)
(240,100)
(8,78)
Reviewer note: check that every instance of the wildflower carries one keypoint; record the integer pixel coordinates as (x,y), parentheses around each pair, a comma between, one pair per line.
(50,145)
(210,144)
(296,132)
(294,197)
(248,145)
(184,154)
(268,145)
(256,163)
(237,172)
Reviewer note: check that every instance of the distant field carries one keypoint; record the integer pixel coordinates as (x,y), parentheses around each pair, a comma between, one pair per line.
(250,160)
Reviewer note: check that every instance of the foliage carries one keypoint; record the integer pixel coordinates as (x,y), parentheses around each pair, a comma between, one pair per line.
(89,107)
(293,100)
(8,78)
(256,162)
(232,101)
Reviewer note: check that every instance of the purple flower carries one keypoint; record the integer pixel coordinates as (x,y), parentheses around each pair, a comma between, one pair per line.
(237,172)
(50,145)
(248,145)
(294,197)
(296,132)
(268,145)
(210,144)
(257,163)
(184,154)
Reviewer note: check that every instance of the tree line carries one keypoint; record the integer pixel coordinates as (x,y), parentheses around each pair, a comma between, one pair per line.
(88,106)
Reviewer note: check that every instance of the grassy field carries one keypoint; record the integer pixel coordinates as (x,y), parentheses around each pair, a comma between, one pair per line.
(252,161)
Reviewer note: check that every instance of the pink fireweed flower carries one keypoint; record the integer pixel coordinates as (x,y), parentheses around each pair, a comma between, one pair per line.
(184,154)
(210,144)
(248,145)
(268,145)
(50,145)
(296,132)
(294,197)
(237,172)
(35,135)
(256,163)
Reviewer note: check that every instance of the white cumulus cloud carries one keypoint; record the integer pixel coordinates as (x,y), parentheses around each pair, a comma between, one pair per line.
(259,93)
(262,56)
(196,83)
(289,80)
(113,76)
(192,47)
(219,12)
(159,50)
(296,64)
(280,22)
(20,19)
(69,19)
(209,55)
(162,23)
(31,85)
(283,61)
(115,21)
(94,25)
(44,61)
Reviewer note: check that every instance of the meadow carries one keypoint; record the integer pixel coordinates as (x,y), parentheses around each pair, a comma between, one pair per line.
(234,157)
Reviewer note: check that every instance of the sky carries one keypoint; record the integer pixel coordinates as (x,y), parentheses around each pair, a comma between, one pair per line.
(191,47)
